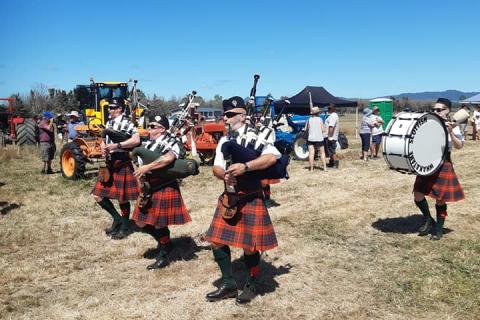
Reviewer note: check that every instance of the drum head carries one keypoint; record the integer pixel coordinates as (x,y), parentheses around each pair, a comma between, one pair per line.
(427,144)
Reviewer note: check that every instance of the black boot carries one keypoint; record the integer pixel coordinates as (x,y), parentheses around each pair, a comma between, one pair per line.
(249,292)
(225,291)
(123,232)
(161,261)
(114,228)
(426,227)
(441,215)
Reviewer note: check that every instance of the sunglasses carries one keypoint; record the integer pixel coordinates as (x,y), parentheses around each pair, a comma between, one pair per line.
(438,109)
(231,114)
(154,126)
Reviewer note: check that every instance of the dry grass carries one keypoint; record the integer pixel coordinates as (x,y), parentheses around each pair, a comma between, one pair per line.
(347,250)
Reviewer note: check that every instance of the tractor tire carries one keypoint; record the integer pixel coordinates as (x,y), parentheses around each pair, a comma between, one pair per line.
(300,149)
(207,158)
(26,133)
(72,161)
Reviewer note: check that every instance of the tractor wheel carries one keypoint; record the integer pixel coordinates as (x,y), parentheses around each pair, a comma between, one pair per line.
(207,157)
(72,161)
(300,148)
(25,133)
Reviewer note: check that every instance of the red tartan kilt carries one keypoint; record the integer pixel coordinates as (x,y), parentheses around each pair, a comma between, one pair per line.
(443,185)
(266,182)
(123,185)
(165,208)
(251,228)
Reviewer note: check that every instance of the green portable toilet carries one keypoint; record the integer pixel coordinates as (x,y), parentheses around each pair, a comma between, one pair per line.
(385,109)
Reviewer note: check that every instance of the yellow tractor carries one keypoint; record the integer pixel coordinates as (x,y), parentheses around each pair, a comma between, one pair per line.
(94,100)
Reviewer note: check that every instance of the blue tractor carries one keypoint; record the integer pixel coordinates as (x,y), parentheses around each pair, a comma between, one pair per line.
(289,134)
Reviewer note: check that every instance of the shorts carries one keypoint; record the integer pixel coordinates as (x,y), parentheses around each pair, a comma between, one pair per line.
(365,141)
(315,144)
(377,139)
(47,150)
(331,147)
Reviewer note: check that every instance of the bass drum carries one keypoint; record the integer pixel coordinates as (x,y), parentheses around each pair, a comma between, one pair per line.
(415,143)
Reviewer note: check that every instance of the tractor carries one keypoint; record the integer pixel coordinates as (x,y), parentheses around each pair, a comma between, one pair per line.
(14,129)
(93,100)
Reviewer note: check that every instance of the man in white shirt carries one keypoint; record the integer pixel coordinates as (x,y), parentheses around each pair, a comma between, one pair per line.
(333,126)
(377,132)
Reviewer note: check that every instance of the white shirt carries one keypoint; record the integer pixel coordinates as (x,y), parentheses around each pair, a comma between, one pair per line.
(123,124)
(269,148)
(458,134)
(476,118)
(315,133)
(378,128)
(332,121)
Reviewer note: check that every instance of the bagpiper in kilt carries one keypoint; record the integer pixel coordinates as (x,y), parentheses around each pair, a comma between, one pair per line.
(120,184)
(443,186)
(165,205)
(250,228)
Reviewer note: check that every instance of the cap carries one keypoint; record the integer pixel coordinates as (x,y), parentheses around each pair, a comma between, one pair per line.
(375,109)
(48,115)
(232,103)
(116,103)
(160,119)
(367,111)
(445,102)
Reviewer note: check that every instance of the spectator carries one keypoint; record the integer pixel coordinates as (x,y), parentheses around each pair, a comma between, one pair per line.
(377,132)
(74,121)
(61,126)
(366,132)
(314,127)
(476,123)
(333,130)
(47,142)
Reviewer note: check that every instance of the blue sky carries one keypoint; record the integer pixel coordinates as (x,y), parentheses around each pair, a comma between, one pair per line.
(355,49)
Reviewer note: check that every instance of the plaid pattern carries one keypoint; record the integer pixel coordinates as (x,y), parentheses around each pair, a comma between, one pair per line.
(442,185)
(266,182)
(123,185)
(165,208)
(250,229)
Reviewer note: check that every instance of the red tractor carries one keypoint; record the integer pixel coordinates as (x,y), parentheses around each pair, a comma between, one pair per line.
(15,129)
(206,135)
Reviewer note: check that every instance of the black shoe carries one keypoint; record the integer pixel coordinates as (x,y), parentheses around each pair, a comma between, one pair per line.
(114,228)
(437,235)
(43,171)
(249,292)
(122,233)
(50,171)
(426,227)
(225,291)
(271,203)
(161,262)
(336,163)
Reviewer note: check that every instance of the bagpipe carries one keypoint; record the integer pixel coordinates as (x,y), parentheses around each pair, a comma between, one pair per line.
(262,130)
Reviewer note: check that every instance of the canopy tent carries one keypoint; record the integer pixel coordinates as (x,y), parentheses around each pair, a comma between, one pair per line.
(472,100)
(300,103)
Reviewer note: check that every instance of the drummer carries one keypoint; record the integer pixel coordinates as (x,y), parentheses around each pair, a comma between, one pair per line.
(443,186)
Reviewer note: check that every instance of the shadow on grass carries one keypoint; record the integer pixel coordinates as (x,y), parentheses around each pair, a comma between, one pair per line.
(184,248)
(7,207)
(403,225)
(266,282)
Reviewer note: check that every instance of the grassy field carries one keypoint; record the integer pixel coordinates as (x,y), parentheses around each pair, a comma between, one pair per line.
(348,249)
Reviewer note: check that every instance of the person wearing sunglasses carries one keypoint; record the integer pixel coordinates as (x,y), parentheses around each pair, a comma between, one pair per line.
(443,186)
(251,228)
(122,184)
(165,206)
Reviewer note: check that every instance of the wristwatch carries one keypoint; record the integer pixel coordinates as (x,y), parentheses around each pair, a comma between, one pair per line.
(246,167)
(119,145)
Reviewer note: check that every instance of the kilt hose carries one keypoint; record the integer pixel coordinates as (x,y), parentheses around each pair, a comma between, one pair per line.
(442,185)
(251,227)
(122,186)
(166,207)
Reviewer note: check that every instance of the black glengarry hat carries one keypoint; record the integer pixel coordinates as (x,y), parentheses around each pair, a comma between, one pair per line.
(445,101)
(232,103)
(161,119)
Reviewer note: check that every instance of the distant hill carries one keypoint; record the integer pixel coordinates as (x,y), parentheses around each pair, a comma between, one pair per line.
(453,95)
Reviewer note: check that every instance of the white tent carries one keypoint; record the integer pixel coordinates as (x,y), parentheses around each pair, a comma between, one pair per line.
(472,100)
